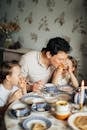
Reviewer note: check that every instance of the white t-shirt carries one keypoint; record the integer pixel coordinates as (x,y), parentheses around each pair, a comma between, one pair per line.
(33,69)
(4,93)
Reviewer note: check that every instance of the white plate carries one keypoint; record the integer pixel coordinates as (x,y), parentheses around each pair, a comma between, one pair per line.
(31,98)
(73,117)
(27,124)
(67,89)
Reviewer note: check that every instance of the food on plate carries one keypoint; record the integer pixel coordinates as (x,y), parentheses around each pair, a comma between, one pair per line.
(81,122)
(38,126)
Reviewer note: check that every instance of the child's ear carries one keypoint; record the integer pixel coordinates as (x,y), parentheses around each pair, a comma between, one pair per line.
(8,77)
(48,54)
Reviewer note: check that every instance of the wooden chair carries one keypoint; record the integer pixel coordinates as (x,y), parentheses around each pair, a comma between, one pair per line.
(2,112)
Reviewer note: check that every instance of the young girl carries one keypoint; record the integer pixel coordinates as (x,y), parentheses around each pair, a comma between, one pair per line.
(12,84)
(65,73)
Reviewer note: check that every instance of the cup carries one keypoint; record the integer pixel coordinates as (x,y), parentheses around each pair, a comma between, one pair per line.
(62,109)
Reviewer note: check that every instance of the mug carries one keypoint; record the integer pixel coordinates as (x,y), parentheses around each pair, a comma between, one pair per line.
(62,109)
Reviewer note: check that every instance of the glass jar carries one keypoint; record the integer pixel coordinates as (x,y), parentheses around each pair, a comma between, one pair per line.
(7,42)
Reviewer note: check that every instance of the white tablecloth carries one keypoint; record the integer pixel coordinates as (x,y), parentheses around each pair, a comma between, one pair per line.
(13,123)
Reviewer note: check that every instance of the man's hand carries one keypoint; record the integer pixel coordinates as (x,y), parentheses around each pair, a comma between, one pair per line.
(37,86)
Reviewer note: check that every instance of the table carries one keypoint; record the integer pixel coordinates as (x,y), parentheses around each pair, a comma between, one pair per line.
(13,124)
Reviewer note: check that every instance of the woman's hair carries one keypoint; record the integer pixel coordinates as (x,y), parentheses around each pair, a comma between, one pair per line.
(57,44)
(6,69)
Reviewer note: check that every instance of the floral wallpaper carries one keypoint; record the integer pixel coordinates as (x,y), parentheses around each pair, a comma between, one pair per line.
(40,20)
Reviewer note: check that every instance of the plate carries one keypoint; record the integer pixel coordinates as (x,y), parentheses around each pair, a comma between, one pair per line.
(31,98)
(73,117)
(27,123)
(67,89)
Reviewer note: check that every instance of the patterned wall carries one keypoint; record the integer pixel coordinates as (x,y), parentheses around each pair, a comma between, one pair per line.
(43,19)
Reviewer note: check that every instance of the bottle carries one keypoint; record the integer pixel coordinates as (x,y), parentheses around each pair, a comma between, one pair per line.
(79,97)
(8,42)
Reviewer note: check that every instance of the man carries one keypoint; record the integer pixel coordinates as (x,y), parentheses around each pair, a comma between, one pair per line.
(39,66)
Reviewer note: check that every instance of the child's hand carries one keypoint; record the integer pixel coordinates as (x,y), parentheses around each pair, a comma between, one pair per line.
(23,84)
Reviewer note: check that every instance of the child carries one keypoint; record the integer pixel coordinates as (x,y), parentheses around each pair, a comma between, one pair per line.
(65,73)
(12,84)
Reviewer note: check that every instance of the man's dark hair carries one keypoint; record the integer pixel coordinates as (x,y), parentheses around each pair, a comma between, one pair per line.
(57,44)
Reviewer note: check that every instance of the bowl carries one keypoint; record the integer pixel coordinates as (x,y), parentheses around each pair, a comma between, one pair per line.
(30,121)
(50,88)
(19,110)
(41,107)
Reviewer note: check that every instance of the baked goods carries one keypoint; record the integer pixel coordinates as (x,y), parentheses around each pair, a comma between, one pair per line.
(81,122)
(61,66)
(38,126)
